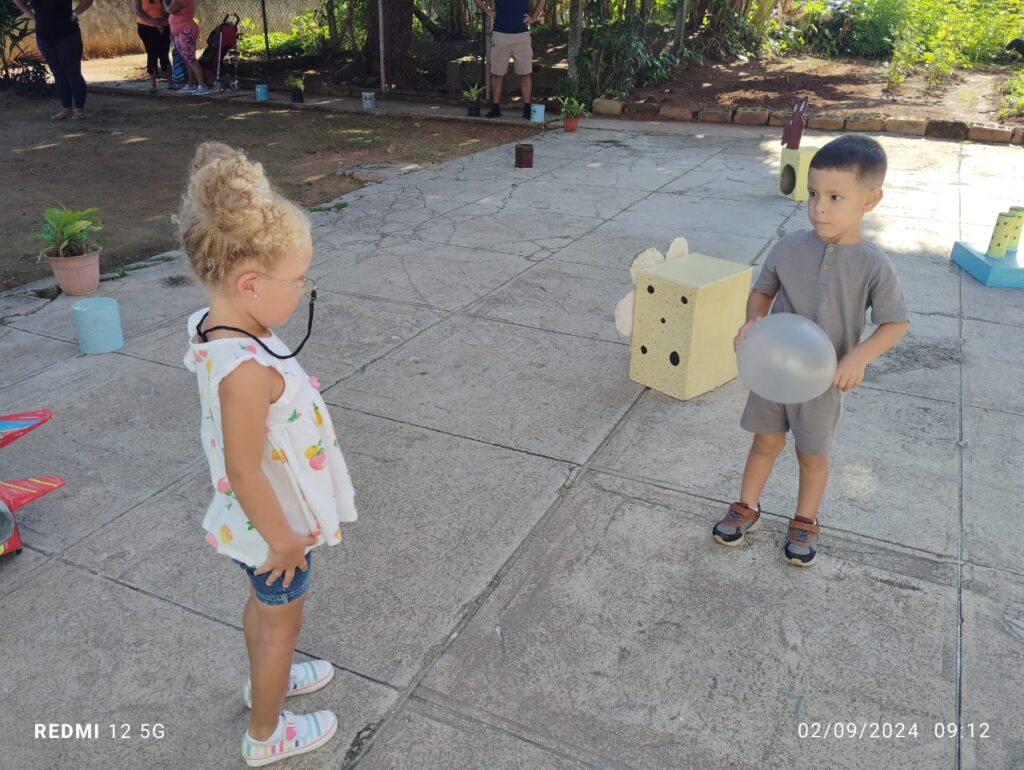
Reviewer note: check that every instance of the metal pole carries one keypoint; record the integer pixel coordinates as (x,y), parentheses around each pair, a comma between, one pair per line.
(380,25)
(483,55)
(266,33)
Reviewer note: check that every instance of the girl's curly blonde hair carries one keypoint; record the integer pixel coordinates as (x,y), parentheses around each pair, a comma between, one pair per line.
(230,215)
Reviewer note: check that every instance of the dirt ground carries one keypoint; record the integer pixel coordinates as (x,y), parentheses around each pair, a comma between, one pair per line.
(836,87)
(129,157)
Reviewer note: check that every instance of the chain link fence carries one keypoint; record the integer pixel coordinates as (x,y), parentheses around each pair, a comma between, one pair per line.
(428,46)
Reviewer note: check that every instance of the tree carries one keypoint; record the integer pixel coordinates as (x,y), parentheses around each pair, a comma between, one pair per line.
(399,69)
(575,32)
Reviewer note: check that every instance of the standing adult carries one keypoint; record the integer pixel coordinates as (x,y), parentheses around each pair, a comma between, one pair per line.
(510,38)
(185,36)
(155,33)
(59,40)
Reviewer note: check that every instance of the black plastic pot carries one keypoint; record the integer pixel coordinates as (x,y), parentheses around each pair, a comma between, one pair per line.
(297,96)
(473,109)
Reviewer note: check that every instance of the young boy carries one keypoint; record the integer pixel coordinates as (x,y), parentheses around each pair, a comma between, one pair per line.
(830,275)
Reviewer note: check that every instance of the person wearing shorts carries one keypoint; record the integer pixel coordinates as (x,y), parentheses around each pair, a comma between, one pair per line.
(832,275)
(510,39)
(185,36)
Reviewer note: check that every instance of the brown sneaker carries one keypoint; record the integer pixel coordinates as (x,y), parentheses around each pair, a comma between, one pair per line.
(801,547)
(740,520)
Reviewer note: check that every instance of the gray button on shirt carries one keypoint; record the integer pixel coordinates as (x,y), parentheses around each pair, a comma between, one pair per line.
(833,285)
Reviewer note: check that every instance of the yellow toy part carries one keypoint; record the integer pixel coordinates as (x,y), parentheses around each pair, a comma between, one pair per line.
(1006,233)
(686,314)
(793,172)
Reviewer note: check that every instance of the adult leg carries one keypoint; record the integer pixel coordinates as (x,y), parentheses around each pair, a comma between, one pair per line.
(526,87)
(146,36)
(271,634)
(164,53)
(69,49)
(48,48)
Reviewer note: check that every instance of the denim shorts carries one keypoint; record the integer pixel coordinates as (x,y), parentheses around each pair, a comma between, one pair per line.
(276,593)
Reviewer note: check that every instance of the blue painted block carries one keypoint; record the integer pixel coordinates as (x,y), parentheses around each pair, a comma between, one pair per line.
(98,325)
(1007,272)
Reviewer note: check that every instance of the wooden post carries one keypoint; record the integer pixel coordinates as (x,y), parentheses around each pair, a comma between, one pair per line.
(266,33)
(380,27)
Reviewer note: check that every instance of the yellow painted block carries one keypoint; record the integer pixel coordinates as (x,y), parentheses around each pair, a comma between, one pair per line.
(686,314)
(793,172)
(1006,233)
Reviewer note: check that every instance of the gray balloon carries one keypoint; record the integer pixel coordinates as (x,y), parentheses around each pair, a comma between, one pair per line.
(786,358)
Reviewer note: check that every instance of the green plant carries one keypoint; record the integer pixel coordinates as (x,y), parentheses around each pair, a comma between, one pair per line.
(308,36)
(573,108)
(14,30)
(615,57)
(473,93)
(296,82)
(1013,96)
(68,233)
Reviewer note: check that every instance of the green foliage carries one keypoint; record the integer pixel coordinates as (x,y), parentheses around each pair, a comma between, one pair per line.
(1013,96)
(14,29)
(614,58)
(473,93)
(726,33)
(68,233)
(573,108)
(937,36)
(308,36)
(295,82)
(944,35)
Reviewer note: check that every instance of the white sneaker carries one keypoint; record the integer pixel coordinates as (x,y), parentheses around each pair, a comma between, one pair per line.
(305,677)
(189,89)
(295,734)
(200,90)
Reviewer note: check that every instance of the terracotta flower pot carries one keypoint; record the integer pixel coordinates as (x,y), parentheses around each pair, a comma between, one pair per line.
(77,275)
(571,124)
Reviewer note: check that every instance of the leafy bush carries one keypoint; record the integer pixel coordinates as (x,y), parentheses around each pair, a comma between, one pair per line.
(308,36)
(969,31)
(615,57)
(1013,96)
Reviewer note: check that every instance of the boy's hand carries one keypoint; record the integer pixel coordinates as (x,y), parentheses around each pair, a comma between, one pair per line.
(286,557)
(850,372)
(743,330)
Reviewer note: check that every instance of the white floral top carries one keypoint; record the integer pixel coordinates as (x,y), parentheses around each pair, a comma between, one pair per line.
(301,457)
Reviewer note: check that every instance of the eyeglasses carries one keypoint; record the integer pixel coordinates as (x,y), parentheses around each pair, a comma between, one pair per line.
(305,285)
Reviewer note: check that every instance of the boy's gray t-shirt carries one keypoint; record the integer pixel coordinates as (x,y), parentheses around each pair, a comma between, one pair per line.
(833,285)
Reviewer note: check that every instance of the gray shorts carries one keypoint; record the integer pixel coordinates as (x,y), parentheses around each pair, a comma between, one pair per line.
(813,423)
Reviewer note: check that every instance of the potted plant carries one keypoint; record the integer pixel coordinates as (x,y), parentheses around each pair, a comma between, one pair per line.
(70,249)
(297,85)
(472,97)
(572,110)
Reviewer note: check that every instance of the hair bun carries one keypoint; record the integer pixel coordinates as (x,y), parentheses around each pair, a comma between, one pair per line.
(230,191)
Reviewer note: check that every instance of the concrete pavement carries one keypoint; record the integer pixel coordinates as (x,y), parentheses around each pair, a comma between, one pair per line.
(532,583)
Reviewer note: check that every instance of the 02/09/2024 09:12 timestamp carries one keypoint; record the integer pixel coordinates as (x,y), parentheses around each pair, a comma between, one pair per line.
(892,730)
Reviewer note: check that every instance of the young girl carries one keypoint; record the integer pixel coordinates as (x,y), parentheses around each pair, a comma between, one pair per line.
(281,486)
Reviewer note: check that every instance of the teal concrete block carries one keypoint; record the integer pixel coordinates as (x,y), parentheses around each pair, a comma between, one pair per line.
(1007,272)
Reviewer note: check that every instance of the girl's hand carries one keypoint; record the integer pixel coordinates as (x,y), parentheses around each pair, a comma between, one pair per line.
(849,372)
(284,558)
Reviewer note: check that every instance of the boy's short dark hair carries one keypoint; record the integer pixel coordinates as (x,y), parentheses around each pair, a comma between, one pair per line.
(856,153)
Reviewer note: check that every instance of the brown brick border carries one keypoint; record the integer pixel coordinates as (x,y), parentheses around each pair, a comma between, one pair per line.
(989,133)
